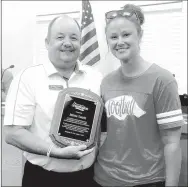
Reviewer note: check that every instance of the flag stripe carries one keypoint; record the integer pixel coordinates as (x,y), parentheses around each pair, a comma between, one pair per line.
(89,35)
(169,120)
(89,50)
(90,56)
(94,60)
(88,43)
(87,29)
(171,113)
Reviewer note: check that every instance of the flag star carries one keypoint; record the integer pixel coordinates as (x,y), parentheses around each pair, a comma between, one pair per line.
(83,11)
(85,16)
(91,18)
(87,11)
(84,23)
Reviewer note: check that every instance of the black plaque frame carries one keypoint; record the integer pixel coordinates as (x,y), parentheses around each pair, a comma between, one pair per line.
(82,94)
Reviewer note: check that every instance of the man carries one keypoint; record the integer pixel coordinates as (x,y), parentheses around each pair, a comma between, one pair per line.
(6,81)
(30,108)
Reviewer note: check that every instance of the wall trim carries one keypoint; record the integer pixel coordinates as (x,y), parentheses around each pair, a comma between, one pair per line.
(48,17)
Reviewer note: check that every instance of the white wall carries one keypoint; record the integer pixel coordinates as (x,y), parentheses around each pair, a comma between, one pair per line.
(18,28)
(162,53)
(19,23)
(17,35)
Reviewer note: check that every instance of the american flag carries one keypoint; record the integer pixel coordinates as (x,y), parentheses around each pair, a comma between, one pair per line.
(89,52)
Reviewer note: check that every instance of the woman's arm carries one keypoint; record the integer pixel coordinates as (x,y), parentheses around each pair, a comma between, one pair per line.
(172,153)
(21,138)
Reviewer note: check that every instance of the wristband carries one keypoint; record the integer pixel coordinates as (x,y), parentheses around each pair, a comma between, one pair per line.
(49,150)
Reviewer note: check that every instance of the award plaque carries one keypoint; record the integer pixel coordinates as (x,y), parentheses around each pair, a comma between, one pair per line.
(76,118)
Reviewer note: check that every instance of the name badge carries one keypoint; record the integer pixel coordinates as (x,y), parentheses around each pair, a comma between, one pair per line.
(55,87)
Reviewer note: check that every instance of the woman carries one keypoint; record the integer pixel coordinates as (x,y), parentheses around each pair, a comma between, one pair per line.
(144,116)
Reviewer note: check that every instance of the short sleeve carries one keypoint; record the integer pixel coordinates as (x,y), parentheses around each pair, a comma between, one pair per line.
(168,106)
(20,102)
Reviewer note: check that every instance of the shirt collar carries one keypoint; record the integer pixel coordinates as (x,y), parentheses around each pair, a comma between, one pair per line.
(80,68)
(50,69)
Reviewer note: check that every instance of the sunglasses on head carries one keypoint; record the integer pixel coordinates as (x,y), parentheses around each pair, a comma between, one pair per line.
(122,13)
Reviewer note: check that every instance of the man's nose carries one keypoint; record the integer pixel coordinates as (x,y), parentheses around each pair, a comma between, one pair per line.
(67,43)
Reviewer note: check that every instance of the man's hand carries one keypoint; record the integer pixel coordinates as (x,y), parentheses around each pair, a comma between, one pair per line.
(20,137)
(74,152)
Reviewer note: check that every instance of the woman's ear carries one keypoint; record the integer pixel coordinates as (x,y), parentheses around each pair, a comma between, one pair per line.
(106,38)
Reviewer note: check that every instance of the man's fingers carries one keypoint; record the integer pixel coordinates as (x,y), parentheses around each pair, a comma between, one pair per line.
(82,153)
(72,143)
(81,147)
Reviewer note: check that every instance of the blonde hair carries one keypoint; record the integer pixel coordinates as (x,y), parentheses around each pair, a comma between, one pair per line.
(138,11)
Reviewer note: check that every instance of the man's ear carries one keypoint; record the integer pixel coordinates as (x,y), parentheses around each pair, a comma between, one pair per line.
(140,35)
(46,43)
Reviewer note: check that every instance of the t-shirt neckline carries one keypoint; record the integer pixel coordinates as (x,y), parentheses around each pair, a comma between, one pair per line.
(137,76)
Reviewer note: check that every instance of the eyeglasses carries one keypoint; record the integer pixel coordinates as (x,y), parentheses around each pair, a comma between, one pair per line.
(124,13)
